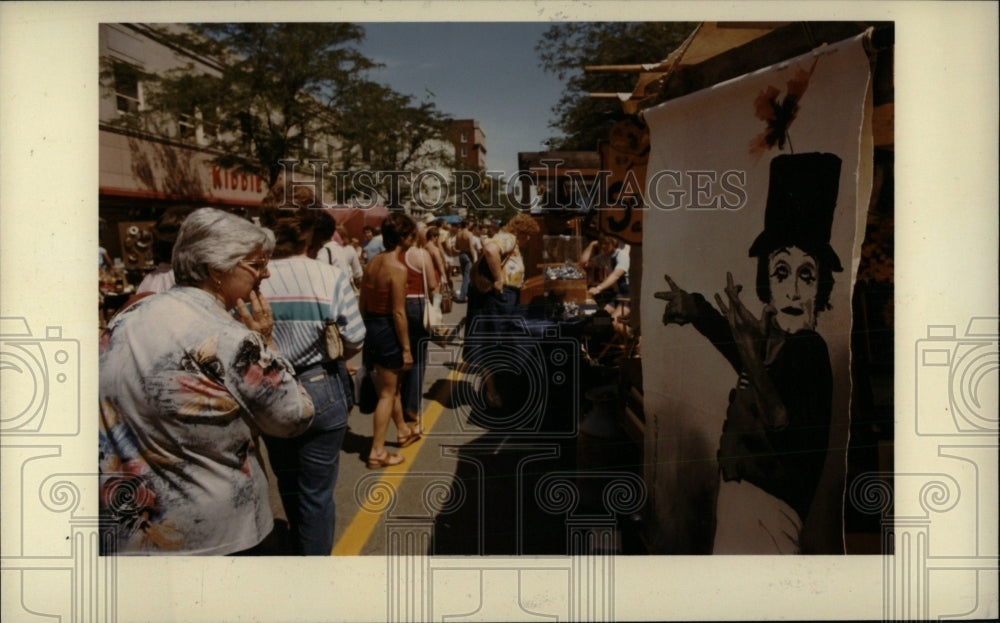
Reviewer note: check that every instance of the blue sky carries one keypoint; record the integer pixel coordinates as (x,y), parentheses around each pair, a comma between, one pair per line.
(486,71)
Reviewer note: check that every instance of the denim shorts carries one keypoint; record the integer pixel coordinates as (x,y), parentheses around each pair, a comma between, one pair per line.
(382,345)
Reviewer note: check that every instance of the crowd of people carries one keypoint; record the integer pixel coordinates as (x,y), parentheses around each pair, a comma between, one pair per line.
(241,336)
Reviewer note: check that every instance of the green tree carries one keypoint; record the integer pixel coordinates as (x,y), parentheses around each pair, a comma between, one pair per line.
(382,130)
(267,92)
(493,199)
(269,96)
(565,49)
(505,205)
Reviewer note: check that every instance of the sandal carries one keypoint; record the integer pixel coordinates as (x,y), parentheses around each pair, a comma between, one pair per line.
(415,423)
(388,460)
(414,435)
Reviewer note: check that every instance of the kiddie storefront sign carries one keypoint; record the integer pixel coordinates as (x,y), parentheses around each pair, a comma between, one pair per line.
(225,181)
(147,169)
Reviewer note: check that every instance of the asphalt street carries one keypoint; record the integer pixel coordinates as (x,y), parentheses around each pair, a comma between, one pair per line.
(483,480)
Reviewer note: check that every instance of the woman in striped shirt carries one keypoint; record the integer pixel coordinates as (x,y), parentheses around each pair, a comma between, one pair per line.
(305,296)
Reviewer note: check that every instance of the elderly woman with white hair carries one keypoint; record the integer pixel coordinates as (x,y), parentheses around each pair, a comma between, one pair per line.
(189,378)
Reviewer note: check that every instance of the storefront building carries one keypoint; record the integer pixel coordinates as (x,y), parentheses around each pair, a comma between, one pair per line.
(144,171)
(140,176)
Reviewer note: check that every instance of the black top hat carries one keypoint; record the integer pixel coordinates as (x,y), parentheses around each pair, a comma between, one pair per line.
(801,197)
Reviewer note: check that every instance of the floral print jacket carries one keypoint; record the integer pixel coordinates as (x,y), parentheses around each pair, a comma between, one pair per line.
(184,391)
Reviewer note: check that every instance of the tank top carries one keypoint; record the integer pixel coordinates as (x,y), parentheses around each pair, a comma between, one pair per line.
(415,277)
(376,300)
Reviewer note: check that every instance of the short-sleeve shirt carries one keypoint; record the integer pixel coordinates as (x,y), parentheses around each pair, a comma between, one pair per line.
(344,258)
(620,259)
(374,247)
(183,390)
(510,257)
(305,295)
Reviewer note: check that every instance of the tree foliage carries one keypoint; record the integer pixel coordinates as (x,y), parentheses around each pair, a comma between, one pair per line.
(383,130)
(270,93)
(279,91)
(565,49)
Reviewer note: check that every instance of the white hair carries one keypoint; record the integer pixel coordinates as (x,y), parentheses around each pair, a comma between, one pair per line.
(211,238)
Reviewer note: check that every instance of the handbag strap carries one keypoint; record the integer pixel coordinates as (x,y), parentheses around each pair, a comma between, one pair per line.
(423,273)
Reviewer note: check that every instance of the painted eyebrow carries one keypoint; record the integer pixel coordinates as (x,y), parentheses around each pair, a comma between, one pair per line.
(786,251)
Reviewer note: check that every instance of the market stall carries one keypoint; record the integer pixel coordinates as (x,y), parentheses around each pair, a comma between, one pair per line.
(688,120)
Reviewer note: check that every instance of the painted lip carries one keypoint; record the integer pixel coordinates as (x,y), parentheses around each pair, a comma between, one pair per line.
(792,311)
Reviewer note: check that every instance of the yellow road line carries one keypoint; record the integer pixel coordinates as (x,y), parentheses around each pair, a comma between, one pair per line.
(361,527)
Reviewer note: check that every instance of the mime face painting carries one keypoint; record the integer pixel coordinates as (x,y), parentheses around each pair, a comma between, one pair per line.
(793,277)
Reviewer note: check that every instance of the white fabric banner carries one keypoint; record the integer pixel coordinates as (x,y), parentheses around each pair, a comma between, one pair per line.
(710,198)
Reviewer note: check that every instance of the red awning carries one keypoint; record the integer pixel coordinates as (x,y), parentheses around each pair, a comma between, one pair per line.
(354,218)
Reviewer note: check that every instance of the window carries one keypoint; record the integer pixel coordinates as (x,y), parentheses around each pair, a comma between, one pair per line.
(465,137)
(126,88)
(465,152)
(193,128)
(186,127)
(209,131)
(208,128)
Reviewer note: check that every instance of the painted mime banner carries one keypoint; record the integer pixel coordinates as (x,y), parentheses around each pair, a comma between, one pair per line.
(757,195)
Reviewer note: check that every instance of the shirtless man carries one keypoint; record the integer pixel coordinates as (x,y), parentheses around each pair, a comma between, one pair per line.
(467,256)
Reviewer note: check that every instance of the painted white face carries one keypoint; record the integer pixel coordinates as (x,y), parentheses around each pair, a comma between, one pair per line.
(794,279)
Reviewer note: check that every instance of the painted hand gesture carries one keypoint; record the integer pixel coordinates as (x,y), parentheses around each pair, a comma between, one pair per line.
(748,332)
(681,307)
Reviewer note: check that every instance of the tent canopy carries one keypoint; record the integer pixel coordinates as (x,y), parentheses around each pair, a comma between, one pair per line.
(718,51)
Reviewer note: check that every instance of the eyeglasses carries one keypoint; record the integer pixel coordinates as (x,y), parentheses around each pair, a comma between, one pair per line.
(257,265)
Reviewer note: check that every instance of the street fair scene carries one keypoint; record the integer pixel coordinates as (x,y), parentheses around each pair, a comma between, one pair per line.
(497,318)
(675,341)
(499,311)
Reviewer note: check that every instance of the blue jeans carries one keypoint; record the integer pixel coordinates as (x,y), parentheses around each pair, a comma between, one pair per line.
(306,466)
(411,382)
(486,315)
(465,263)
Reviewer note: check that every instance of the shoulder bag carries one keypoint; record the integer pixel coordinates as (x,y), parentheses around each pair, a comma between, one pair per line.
(432,313)
(334,343)
(446,301)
